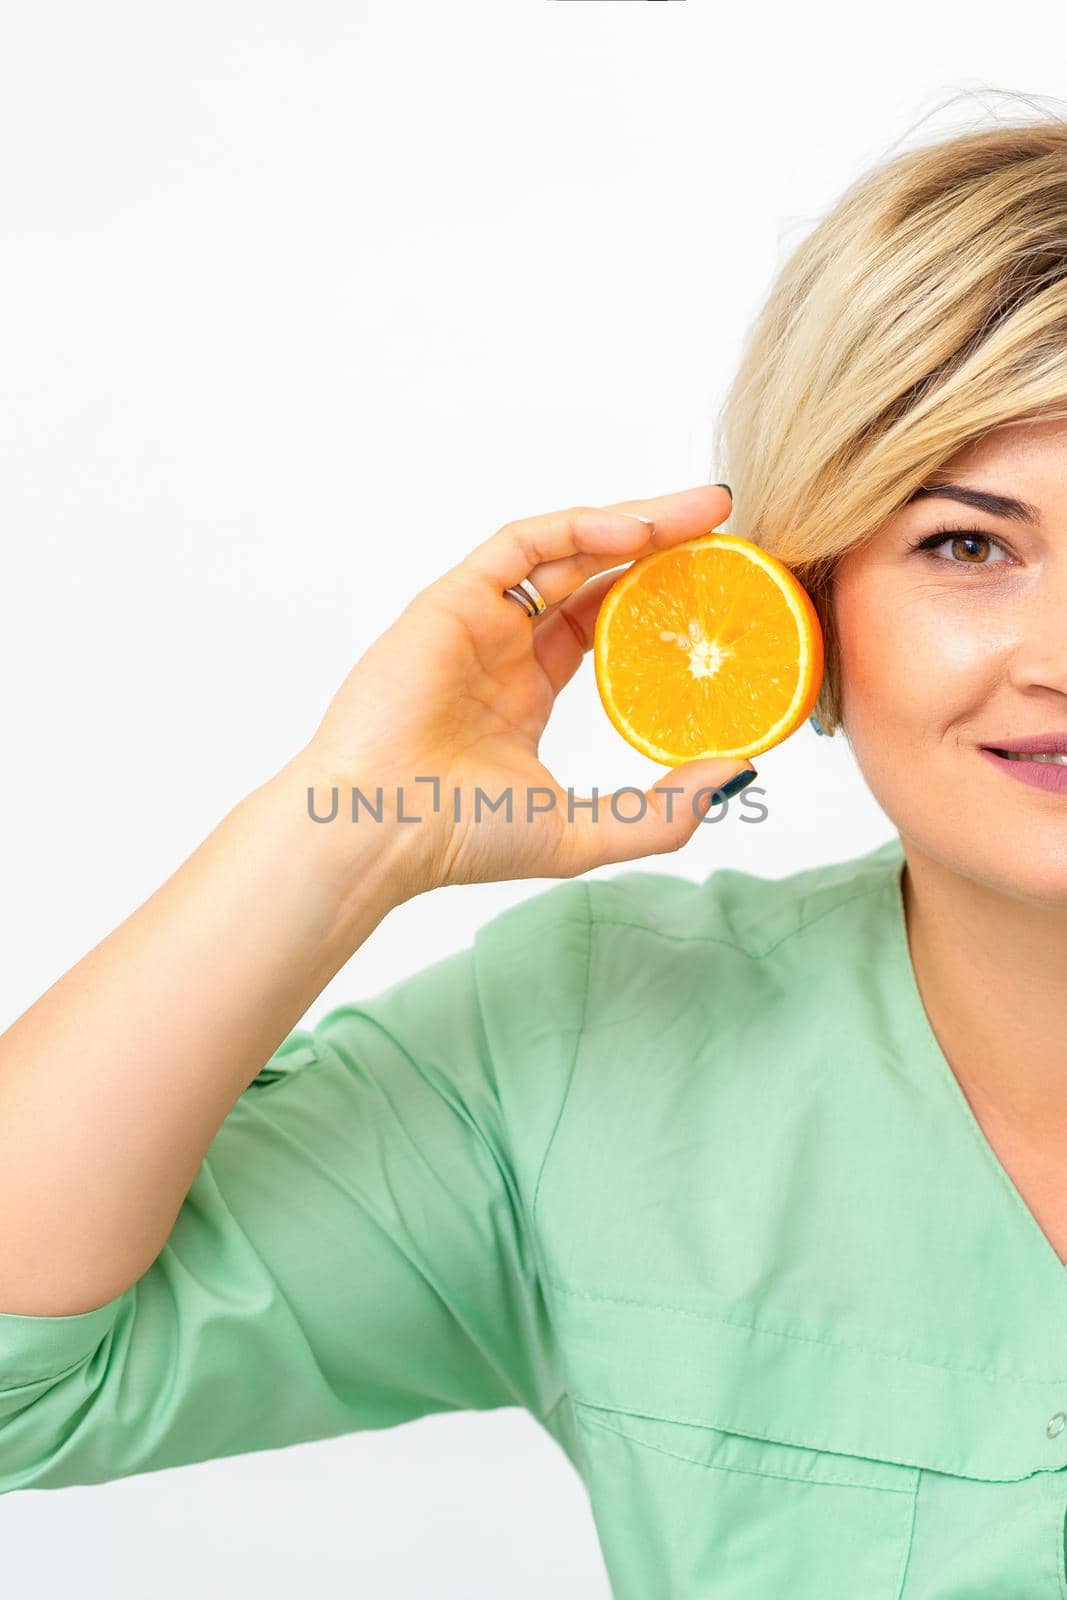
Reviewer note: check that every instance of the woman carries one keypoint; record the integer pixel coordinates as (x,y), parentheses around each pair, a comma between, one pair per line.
(751,1191)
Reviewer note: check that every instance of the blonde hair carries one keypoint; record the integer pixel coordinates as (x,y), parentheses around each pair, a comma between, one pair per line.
(926,308)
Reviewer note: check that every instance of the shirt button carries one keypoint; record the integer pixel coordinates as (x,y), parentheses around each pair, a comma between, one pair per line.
(1055,1424)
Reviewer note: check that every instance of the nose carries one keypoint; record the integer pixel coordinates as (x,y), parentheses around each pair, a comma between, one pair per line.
(1038,659)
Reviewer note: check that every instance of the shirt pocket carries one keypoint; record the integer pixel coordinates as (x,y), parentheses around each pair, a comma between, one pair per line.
(730,1457)
(688,1511)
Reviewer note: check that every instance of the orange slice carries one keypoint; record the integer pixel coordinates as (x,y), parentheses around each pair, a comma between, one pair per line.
(711,648)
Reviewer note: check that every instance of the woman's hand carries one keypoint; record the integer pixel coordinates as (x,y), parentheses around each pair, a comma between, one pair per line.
(459,690)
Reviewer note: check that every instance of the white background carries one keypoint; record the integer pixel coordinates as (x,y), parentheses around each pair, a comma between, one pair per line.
(298,302)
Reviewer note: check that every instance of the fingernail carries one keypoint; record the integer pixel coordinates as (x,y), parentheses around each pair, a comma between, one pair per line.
(646,520)
(725,486)
(739,781)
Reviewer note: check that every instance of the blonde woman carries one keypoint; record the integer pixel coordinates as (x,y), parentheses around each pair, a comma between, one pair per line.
(752,1192)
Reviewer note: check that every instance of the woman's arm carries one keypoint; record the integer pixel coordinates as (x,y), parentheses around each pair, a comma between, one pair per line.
(114,1082)
(354,1250)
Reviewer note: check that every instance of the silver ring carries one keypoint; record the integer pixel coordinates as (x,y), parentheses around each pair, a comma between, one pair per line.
(529,598)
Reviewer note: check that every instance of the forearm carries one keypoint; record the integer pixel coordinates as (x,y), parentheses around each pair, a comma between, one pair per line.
(114,1083)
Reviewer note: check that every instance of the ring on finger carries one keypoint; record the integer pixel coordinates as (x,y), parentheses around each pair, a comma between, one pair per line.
(528,596)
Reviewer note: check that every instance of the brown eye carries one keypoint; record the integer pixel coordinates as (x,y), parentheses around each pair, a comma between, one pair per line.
(967,542)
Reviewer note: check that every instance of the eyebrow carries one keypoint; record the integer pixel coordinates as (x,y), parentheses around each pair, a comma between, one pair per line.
(995,505)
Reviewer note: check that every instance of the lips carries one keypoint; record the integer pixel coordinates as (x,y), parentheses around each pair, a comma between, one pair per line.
(1048,775)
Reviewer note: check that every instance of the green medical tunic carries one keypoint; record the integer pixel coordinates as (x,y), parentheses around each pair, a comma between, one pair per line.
(677,1167)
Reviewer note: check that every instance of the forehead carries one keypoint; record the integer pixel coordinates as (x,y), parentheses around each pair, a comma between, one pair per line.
(1026,444)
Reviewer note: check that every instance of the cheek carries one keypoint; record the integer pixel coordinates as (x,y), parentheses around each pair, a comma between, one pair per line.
(907,657)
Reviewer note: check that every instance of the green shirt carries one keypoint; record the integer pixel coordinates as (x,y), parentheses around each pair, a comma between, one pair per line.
(679,1168)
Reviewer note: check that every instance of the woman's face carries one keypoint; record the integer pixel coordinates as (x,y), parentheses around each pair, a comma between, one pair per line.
(949,649)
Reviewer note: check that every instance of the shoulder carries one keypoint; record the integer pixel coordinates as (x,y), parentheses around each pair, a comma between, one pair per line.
(718,1015)
(582,942)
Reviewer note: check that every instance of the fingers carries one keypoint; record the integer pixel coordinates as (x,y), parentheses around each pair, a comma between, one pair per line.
(561,637)
(560,550)
(631,823)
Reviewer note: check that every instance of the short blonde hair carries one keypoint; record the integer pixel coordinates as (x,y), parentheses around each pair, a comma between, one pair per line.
(928,307)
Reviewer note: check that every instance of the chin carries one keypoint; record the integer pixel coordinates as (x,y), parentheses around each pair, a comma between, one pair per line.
(1041,882)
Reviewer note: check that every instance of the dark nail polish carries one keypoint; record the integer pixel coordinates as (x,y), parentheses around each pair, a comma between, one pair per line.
(739,781)
(725,486)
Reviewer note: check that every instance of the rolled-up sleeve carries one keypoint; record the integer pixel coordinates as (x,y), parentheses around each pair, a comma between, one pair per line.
(356,1248)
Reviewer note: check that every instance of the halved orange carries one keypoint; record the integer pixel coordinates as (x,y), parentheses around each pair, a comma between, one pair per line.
(711,648)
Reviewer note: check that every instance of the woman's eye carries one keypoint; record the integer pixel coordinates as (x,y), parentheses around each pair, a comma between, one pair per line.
(968,547)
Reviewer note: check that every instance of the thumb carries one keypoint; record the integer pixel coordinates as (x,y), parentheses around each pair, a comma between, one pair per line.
(631,822)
